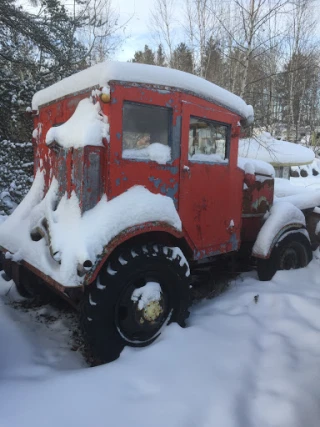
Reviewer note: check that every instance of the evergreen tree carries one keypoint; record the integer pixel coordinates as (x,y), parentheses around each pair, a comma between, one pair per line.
(161,61)
(35,51)
(182,58)
(212,62)
(16,173)
(146,56)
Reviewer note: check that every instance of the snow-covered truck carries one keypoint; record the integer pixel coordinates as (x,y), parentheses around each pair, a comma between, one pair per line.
(137,182)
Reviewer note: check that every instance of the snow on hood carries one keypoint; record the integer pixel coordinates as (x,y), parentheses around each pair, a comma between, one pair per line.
(87,126)
(101,74)
(301,197)
(278,153)
(74,237)
(255,166)
(281,214)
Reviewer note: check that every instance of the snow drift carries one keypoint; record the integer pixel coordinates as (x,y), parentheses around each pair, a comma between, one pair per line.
(75,237)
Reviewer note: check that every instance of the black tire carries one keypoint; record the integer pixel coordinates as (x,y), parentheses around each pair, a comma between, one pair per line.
(23,288)
(111,319)
(293,252)
(23,285)
(1,260)
(31,286)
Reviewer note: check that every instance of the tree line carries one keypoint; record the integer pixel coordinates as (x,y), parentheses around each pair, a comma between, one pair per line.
(266,51)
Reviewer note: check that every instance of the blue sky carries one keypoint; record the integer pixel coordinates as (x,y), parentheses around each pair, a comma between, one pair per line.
(137,31)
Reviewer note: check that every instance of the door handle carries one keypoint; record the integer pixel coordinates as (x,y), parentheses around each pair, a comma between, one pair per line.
(186,169)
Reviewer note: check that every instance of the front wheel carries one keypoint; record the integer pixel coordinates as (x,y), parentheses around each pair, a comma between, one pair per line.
(137,293)
(292,252)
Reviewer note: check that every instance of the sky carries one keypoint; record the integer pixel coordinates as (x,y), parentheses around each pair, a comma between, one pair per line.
(137,31)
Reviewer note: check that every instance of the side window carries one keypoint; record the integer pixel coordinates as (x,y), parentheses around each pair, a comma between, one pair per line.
(208,141)
(146,132)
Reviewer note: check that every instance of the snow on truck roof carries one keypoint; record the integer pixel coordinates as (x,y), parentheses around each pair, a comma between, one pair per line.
(101,74)
(277,153)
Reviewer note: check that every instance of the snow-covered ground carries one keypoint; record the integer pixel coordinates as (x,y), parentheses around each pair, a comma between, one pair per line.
(248,358)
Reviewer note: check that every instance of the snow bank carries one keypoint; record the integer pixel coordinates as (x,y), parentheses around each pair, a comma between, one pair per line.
(278,153)
(87,126)
(35,342)
(305,199)
(300,196)
(284,187)
(249,358)
(101,74)
(254,166)
(308,183)
(76,238)
(281,214)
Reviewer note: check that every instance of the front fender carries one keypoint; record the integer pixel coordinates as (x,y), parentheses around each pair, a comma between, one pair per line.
(282,218)
(126,235)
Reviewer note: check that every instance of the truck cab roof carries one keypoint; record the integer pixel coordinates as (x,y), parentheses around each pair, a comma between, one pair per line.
(99,76)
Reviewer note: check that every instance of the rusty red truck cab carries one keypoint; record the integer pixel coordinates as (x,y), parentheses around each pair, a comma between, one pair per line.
(189,154)
(137,176)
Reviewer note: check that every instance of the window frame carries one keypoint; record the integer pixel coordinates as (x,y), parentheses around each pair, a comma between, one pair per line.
(228,127)
(169,129)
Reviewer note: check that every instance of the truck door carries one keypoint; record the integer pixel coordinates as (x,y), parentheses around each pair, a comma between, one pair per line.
(210,182)
(145,141)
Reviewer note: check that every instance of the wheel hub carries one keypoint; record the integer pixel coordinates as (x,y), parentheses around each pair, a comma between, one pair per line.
(152,311)
(148,303)
(289,260)
(143,309)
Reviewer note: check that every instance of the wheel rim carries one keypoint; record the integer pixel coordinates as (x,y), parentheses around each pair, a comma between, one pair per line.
(138,324)
(292,257)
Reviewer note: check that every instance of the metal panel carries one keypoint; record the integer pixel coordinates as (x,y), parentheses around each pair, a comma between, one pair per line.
(93,185)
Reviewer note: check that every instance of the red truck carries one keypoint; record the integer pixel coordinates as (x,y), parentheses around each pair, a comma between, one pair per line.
(137,183)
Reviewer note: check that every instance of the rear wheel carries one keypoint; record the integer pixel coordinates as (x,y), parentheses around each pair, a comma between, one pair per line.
(24,287)
(28,284)
(293,252)
(137,293)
